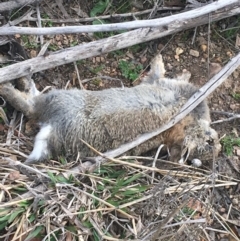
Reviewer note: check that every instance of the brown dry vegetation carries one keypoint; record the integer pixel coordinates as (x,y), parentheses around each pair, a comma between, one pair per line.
(130,198)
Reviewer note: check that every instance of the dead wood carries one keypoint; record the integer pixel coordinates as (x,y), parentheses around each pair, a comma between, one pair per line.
(169,23)
(10,5)
(107,45)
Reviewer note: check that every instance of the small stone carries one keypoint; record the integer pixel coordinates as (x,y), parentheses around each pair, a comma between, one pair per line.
(218,60)
(33,53)
(203,47)
(237,151)
(194,53)
(222,210)
(98,59)
(229,54)
(65,41)
(201,41)
(17,35)
(196,162)
(181,45)
(58,37)
(235,201)
(114,64)
(143,59)
(179,51)
(169,66)
(160,46)
(102,59)
(232,106)
(176,57)
(205,56)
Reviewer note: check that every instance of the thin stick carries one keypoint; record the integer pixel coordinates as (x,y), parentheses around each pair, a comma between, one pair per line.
(112,16)
(39,23)
(225,120)
(78,76)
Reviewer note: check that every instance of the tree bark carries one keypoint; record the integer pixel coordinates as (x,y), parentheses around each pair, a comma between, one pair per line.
(10,5)
(165,23)
(107,45)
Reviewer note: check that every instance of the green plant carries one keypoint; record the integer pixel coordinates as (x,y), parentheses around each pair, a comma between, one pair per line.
(184,212)
(28,42)
(138,47)
(236,96)
(228,143)
(46,23)
(73,43)
(53,47)
(97,69)
(130,70)
(99,7)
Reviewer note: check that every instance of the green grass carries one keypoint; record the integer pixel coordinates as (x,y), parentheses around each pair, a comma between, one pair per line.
(129,70)
(111,183)
(228,143)
(236,96)
(29,43)
(46,23)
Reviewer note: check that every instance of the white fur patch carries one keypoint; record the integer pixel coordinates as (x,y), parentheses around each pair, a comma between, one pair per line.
(33,90)
(40,149)
(181,161)
(196,162)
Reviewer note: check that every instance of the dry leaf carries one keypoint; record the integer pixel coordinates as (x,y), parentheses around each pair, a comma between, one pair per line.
(14,175)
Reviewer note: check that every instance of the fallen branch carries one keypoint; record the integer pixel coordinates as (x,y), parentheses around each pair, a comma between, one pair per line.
(10,5)
(169,22)
(90,19)
(111,16)
(104,46)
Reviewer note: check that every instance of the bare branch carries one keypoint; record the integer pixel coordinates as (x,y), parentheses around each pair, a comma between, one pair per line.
(112,16)
(104,46)
(169,22)
(10,5)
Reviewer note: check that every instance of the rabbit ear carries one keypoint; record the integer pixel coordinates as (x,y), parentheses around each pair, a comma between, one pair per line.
(157,71)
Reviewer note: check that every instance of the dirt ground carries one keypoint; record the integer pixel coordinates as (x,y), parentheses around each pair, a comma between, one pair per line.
(192,50)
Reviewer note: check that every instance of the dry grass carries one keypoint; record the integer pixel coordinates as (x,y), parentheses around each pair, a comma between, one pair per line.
(123,199)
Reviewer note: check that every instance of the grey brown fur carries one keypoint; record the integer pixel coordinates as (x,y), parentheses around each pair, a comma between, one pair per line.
(106,119)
